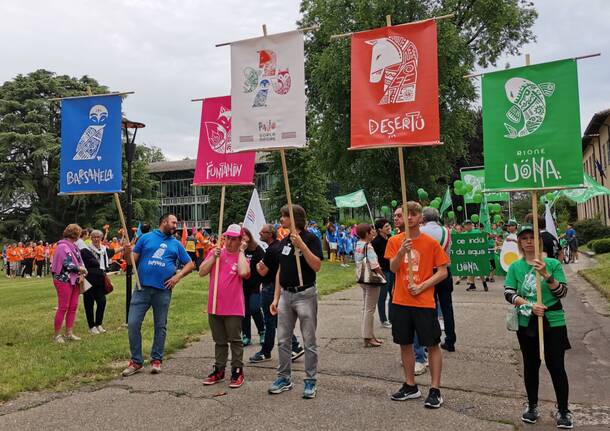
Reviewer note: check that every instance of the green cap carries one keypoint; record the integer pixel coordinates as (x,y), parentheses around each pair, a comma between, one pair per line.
(525,228)
(511,222)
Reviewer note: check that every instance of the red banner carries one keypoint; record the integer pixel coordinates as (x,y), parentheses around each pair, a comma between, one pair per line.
(395,87)
(216,162)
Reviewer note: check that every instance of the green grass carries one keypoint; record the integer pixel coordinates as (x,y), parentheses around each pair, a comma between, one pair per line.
(31,361)
(599,275)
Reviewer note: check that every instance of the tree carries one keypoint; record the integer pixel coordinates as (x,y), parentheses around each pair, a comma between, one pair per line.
(480,32)
(308,185)
(29,162)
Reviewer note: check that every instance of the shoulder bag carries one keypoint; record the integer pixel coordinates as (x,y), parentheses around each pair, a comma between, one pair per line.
(366,275)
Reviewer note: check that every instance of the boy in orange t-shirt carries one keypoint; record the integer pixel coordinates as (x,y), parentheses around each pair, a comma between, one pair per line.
(39,258)
(414,307)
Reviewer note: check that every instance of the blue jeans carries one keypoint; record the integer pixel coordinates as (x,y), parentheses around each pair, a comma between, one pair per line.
(141,301)
(267,292)
(384,292)
(420,351)
(253,310)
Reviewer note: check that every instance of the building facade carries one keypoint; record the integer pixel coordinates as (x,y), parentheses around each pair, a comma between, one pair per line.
(596,163)
(190,203)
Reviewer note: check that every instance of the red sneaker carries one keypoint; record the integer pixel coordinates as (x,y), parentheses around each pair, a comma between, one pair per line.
(217,375)
(155,366)
(131,369)
(237,378)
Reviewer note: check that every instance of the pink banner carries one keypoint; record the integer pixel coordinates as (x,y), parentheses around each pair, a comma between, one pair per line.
(216,163)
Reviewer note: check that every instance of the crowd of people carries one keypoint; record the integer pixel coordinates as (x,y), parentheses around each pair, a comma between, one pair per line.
(405,278)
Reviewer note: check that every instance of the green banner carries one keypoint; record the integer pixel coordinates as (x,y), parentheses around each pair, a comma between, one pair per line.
(469,255)
(476,178)
(531,127)
(593,188)
(353,200)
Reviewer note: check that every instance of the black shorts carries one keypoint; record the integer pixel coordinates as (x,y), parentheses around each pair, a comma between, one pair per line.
(408,321)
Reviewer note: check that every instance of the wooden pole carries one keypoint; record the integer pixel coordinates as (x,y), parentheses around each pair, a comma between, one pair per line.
(291,213)
(132,260)
(537,256)
(403,189)
(293,229)
(218,246)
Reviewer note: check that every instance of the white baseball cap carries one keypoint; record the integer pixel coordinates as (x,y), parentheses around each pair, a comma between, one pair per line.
(234,230)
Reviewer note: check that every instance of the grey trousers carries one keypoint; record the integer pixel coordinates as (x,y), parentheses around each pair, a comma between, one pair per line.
(302,306)
(227,330)
(370,295)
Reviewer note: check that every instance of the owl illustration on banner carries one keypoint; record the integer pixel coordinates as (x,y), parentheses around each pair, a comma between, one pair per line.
(265,78)
(90,141)
(394,59)
(219,132)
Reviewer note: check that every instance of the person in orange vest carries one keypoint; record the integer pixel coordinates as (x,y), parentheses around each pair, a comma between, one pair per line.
(14,259)
(28,260)
(200,252)
(117,260)
(39,258)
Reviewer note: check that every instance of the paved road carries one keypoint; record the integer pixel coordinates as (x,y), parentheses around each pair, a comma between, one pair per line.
(481,384)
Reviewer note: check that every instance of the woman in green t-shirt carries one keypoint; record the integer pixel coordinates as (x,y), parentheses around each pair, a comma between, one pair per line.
(520,290)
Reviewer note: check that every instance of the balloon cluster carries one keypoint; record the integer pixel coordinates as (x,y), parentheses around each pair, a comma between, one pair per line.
(460,188)
(422,195)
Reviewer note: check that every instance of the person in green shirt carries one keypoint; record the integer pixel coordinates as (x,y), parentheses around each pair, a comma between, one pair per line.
(520,291)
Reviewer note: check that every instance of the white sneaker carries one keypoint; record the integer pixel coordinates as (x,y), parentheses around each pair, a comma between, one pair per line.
(101,330)
(59,339)
(386,324)
(72,337)
(420,368)
(94,331)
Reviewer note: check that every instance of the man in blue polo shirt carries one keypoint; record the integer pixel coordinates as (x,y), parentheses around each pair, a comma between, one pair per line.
(156,254)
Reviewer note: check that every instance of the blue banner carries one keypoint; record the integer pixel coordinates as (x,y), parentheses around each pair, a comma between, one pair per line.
(91,150)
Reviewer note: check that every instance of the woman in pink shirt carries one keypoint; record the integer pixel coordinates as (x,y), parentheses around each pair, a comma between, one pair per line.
(225,321)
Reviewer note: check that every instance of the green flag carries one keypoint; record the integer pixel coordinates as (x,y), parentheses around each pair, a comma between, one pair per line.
(593,188)
(484,216)
(352,200)
(446,202)
(476,178)
(531,127)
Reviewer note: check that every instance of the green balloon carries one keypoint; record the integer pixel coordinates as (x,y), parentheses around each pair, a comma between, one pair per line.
(460,208)
(458,184)
(550,196)
(385,209)
(451,215)
(474,218)
(420,191)
(497,218)
(434,204)
(394,203)
(423,196)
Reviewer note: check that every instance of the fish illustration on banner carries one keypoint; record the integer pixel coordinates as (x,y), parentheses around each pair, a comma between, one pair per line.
(394,94)
(529,105)
(216,162)
(91,146)
(268,92)
(539,147)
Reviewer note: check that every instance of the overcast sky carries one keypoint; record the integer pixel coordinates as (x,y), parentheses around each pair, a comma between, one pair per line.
(164,51)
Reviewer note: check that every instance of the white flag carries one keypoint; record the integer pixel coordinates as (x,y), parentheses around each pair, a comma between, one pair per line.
(268,92)
(550,222)
(255,219)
